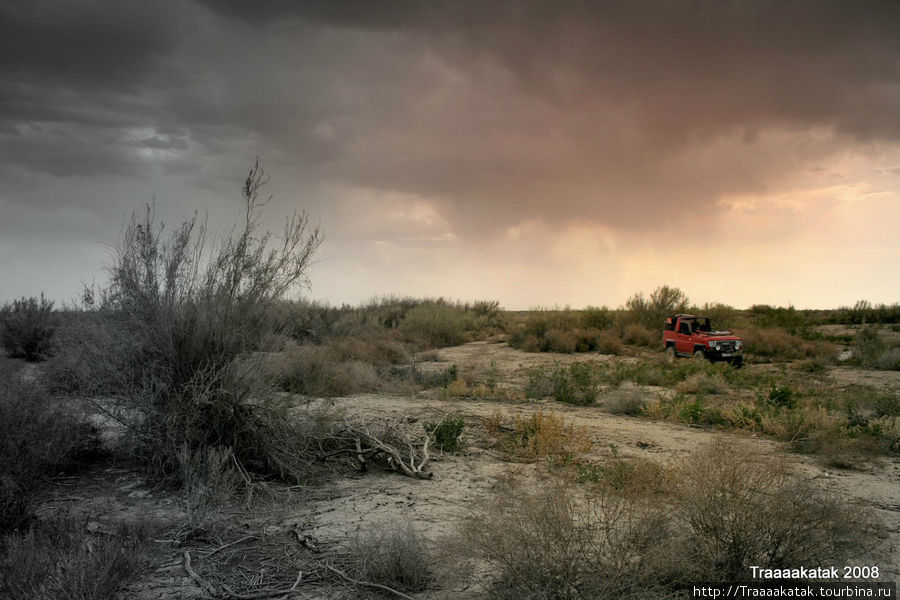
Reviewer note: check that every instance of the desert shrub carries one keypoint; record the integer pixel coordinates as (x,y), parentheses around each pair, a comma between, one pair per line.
(709,517)
(392,554)
(37,441)
(575,384)
(651,312)
(27,327)
(54,559)
(638,335)
(609,343)
(741,508)
(542,435)
(703,383)
(192,313)
(635,477)
(209,479)
(540,384)
(319,372)
(774,343)
(436,325)
(561,341)
(88,357)
(684,409)
(870,350)
(597,317)
(624,401)
(447,433)
(865,312)
(556,545)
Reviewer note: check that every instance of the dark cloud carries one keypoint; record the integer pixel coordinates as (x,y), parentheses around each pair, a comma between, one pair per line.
(620,113)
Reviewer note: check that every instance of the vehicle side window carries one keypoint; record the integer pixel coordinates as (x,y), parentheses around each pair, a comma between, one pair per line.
(685,329)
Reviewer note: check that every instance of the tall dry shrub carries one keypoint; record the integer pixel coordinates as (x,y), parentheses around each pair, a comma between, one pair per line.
(192,306)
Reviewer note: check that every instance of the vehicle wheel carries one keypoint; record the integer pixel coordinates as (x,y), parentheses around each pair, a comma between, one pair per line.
(670,354)
(737,363)
(700,355)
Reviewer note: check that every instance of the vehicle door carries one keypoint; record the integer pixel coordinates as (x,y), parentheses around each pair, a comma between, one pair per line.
(683,342)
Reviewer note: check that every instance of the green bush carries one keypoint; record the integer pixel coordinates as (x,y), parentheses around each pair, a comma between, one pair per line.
(576,384)
(27,327)
(447,433)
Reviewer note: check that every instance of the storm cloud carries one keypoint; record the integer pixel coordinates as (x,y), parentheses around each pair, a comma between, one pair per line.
(466,121)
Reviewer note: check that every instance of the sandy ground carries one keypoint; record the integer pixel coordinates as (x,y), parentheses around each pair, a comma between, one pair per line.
(333,513)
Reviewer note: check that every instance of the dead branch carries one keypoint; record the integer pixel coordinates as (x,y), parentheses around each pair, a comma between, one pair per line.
(359,582)
(304,539)
(389,444)
(264,593)
(199,580)
(234,543)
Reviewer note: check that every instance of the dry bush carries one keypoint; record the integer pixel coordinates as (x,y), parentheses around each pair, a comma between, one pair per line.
(27,327)
(55,559)
(37,441)
(542,435)
(775,343)
(739,508)
(628,400)
(435,325)
(318,372)
(460,388)
(209,479)
(703,383)
(554,545)
(392,554)
(561,341)
(190,313)
(638,335)
(718,511)
(870,350)
(609,343)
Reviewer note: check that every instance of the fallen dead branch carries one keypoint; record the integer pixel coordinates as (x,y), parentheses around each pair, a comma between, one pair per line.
(369,584)
(399,449)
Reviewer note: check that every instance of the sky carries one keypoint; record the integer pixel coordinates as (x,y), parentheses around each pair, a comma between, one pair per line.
(534,152)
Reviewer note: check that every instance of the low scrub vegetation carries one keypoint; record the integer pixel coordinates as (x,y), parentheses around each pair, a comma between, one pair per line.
(38,440)
(394,555)
(27,327)
(722,510)
(872,351)
(541,435)
(53,559)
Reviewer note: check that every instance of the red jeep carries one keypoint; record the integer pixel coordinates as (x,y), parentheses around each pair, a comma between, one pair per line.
(687,335)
